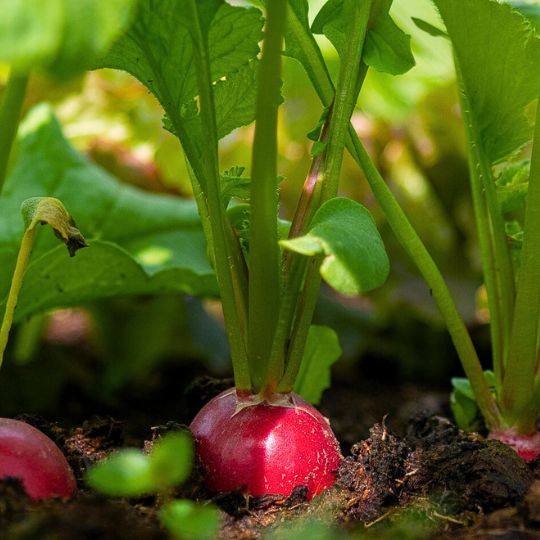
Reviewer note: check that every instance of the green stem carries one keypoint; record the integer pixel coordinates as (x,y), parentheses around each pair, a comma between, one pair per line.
(496,262)
(264,254)
(519,381)
(339,120)
(16,283)
(301,327)
(295,265)
(226,263)
(10,112)
(415,248)
(404,231)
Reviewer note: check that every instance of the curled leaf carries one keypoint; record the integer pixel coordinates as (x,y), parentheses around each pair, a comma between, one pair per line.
(51,211)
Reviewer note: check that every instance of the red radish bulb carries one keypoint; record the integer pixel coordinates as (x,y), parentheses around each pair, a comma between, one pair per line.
(265,448)
(526,446)
(29,455)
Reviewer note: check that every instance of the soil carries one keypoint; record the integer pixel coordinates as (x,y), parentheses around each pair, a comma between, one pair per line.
(408,473)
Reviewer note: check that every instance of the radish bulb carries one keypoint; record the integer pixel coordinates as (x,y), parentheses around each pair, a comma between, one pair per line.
(265,448)
(29,455)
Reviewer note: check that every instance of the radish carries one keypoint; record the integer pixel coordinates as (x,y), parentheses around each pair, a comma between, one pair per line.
(526,446)
(262,447)
(29,455)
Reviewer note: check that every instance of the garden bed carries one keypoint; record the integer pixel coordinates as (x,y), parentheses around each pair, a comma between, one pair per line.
(411,473)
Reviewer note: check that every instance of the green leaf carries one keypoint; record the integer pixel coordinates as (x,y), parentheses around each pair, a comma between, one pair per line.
(463,402)
(125,474)
(429,28)
(498,57)
(343,230)
(512,185)
(387,47)
(62,35)
(158,50)
(187,519)
(322,350)
(233,184)
(138,242)
(530,12)
(171,459)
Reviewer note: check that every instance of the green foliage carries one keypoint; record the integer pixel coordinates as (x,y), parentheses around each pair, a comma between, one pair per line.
(499,63)
(159,51)
(322,350)
(387,47)
(171,459)
(530,11)
(139,242)
(342,230)
(126,474)
(57,34)
(187,519)
(463,402)
(130,473)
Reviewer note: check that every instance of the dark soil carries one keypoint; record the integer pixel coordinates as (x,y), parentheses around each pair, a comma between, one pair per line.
(418,479)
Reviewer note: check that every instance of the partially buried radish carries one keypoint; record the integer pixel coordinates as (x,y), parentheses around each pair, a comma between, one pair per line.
(29,455)
(265,448)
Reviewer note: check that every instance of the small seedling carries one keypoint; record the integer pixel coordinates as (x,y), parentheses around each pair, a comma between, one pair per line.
(130,473)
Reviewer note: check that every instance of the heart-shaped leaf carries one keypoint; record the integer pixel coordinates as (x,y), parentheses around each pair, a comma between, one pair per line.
(344,233)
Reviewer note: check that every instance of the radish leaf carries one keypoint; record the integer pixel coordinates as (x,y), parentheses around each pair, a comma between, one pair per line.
(186,519)
(139,242)
(499,60)
(387,47)
(158,50)
(344,232)
(322,350)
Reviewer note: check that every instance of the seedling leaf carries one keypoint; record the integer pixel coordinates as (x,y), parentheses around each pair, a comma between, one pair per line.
(125,474)
(186,519)
(171,459)
(344,232)
(322,350)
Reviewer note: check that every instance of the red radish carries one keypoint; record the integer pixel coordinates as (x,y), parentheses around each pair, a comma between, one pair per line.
(265,448)
(28,454)
(526,446)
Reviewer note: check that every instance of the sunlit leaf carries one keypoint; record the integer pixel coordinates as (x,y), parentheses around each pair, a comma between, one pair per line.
(64,36)
(138,242)
(498,57)
(159,50)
